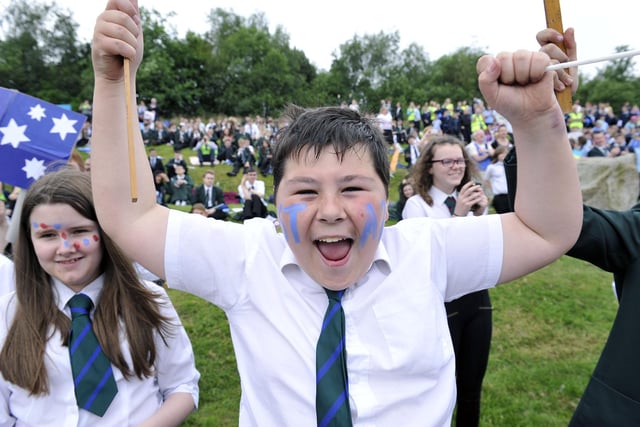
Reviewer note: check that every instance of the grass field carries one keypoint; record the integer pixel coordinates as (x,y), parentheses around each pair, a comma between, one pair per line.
(549,329)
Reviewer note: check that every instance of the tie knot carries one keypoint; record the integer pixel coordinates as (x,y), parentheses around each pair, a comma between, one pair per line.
(334,295)
(451,204)
(80,305)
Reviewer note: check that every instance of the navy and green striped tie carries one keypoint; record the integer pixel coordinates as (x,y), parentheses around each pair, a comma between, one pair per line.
(95,386)
(332,387)
(451,204)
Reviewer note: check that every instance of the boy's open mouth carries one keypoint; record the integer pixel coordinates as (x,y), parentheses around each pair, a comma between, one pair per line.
(334,249)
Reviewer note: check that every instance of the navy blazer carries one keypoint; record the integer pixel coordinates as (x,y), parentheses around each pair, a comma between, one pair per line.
(217,196)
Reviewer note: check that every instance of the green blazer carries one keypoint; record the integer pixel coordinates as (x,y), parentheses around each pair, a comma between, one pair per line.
(611,241)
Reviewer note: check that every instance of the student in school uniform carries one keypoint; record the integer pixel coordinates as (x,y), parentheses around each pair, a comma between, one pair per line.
(384,356)
(76,292)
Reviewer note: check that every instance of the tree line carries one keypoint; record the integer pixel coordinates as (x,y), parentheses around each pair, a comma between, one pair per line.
(239,67)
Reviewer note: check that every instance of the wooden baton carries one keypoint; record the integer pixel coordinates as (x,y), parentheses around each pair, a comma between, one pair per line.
(554,20)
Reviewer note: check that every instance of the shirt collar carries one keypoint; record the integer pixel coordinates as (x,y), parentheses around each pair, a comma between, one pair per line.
(64,293)
(439,196)
(381,262)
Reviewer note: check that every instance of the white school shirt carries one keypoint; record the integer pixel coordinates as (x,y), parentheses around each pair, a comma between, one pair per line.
(7,275)
(400,359)
(497,176)
(136,400)
(416,207)
(415,153)
(258,186)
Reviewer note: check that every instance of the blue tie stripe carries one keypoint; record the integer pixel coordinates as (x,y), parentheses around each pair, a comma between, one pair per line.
(88,365)
(335,309)
(332,395)
(95,386)
(80,337)
(329,363)
(98,388)
(333,410)
(80,310)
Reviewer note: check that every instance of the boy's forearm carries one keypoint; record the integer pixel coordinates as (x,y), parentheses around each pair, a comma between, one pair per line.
(548,198)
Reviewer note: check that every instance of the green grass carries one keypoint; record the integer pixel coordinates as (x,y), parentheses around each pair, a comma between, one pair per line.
(549,329)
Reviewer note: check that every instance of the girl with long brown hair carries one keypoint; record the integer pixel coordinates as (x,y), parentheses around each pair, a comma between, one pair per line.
(445,187)
(61,254)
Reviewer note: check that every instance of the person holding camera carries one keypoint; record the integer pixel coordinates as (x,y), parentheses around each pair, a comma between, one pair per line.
(445,188)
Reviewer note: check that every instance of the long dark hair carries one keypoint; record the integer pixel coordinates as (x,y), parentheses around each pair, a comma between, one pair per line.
(123,299)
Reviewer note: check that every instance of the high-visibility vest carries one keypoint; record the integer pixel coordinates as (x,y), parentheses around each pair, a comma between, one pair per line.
(477,122)
(575,120)
(206,149)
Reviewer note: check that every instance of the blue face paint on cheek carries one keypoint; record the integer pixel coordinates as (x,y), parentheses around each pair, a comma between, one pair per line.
(292,223)
(57,226)
(371,226)
(86,242)
(35,225)
(383,208)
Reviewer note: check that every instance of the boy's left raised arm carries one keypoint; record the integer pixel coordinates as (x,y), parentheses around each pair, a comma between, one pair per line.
(548,205)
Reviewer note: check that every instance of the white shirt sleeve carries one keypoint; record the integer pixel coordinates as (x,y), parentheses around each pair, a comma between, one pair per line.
(7,275)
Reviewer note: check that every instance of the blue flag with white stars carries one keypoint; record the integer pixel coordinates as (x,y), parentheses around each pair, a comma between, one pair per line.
(33,134)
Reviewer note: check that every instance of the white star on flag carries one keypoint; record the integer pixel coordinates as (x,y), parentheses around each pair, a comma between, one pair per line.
(37,112)
(34,168)
(13,134)
(63,126)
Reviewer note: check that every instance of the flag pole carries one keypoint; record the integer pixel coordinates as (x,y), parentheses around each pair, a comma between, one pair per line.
(129,107)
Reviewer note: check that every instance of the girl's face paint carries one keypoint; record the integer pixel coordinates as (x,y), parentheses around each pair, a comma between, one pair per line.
(332,212)
(66,244)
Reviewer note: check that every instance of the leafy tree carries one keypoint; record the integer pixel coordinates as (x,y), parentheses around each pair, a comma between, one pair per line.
(239,67)
(158,75)
(39,53)
(365,63)
(614,83)
(408,78)
(256,72)
(454,76)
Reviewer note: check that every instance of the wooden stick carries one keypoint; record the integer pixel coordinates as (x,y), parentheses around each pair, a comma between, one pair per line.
(554,20)
(569,64)
(132,157)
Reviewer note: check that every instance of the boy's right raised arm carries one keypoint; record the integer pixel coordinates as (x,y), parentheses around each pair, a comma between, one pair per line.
(138,228)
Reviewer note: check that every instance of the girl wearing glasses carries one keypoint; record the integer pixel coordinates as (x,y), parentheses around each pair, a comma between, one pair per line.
(445,188)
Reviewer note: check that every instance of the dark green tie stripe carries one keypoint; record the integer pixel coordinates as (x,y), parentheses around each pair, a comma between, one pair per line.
(95,386)
(332,390)
(451,204)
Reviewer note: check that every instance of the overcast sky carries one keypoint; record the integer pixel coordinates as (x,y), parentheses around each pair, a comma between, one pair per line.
(440,27)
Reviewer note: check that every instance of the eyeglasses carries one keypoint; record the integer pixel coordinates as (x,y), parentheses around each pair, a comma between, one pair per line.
(447,163)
